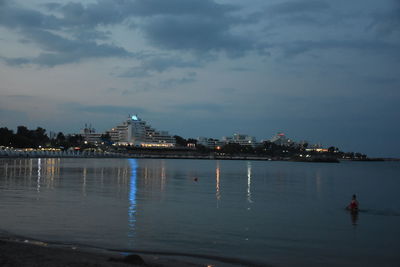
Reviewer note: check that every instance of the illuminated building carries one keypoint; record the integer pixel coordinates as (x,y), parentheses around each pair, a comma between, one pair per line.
(136,132)
(281,139)
(241,139)
(89,134)
(210,142)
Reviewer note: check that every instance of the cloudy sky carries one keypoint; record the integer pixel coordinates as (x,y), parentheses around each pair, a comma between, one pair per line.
(323,71)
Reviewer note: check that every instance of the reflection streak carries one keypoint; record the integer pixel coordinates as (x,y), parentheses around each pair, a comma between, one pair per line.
(38,174)
(249,182)
(132,198)
(217,175)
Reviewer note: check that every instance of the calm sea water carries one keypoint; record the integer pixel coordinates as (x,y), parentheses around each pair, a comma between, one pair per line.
(271,213)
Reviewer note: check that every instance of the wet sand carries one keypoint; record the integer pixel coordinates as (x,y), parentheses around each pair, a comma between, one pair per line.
(18,253)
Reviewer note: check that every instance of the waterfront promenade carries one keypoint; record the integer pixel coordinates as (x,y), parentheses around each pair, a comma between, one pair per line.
(21,153)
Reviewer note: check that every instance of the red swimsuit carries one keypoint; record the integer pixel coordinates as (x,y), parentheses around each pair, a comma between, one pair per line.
(353,205)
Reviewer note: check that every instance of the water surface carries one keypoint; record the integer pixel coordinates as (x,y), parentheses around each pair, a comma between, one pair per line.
(271,213)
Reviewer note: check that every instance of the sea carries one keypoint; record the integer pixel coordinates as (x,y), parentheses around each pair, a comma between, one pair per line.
(219,212)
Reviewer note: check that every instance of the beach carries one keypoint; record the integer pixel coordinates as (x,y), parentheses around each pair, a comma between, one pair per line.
(24,253)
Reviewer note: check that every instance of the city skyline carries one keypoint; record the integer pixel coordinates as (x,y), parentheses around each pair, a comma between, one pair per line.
(323,71)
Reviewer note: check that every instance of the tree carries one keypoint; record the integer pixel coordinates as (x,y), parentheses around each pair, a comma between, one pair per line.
(180,141)
(6,136)
(40,137)
(231,148)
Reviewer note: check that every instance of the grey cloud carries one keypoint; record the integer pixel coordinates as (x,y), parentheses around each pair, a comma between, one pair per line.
(196,34)
(192,25)
(108,109)
(188,78)
(19,97)
(164,63)
(60,50)
(208,107)
(125,92)
(294,7)
(299,47)
(240,69)
(57,50)
(383,81)
(180,7)
(228,90)
(387,23)
(103,12)
(134,72)
(304,12)
(159,63)
(17,17)
(52,6)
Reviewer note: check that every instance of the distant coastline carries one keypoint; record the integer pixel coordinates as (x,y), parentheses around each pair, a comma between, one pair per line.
(172,155)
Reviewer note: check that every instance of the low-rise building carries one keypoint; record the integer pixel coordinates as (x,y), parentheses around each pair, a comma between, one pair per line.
(281,140)
(89,135)
(241,139)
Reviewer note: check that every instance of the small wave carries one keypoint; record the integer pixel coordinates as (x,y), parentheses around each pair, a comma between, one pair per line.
(227,260)
(388,213)
(233,261)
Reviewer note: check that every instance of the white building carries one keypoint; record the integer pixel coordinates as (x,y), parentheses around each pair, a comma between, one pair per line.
(89,135)
(281,139)
(210,142)
(136,132)
(241,139)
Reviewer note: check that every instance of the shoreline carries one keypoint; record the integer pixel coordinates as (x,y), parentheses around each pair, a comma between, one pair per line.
(19,251)
(28,253)
(198,157)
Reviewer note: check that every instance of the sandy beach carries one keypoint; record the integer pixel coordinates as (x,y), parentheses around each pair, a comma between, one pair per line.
(24,253)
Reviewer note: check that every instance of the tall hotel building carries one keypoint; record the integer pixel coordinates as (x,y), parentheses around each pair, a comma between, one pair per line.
(135,132)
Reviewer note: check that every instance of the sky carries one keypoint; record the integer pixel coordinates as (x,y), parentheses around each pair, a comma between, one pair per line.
(323,71)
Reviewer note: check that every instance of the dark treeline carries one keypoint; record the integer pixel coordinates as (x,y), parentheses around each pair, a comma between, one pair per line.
(25,138)
(271,149)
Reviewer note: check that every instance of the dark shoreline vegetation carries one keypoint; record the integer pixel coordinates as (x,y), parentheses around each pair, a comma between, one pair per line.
(36,143)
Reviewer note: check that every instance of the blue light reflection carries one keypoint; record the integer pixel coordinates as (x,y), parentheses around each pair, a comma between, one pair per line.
(132,198)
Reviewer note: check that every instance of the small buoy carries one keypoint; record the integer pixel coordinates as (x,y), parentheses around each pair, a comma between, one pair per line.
(195,179)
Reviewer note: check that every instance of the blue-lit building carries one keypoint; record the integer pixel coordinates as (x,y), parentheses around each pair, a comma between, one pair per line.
(135,132)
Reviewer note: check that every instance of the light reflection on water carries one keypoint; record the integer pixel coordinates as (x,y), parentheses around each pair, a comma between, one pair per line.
(217,185)
(132,201)
(274,212)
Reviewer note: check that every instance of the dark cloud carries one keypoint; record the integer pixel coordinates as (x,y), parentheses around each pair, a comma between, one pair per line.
(194,25)
(387,23)
(199,26)
(295,7)
(104,12)
(380,47)
(207,8)
(60,50)
(57,49)
(310,13)
(72,32)
(13,16)
(197,34)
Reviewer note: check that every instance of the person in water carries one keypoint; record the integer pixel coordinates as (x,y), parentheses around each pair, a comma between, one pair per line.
(353,206)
